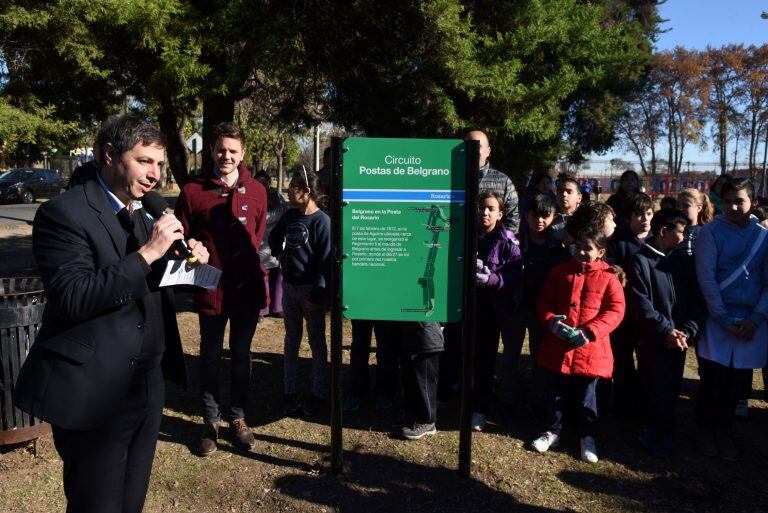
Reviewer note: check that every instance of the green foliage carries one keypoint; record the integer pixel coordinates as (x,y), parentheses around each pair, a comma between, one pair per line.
(34,125)
(544,78)
(541,77)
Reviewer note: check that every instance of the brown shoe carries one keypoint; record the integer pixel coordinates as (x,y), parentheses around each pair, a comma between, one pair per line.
(208,439)
(243,434)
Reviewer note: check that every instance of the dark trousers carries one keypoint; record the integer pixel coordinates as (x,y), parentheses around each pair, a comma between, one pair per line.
(661,375)
(572,396)
(450,360)
(107,469)
(241,330)
(719,391)
(489,326)
(522,319)
(386,362)
(626,384)
(419,375)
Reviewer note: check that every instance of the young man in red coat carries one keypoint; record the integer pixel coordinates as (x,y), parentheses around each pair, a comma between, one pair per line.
(227,209)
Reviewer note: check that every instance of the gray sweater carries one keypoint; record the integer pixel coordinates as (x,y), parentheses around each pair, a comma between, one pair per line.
(492,179)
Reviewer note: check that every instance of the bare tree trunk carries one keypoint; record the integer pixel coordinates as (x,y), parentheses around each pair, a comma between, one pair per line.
(765,157)
(171,123)
(216,109)
(722,141)
(280,155)
(752,143)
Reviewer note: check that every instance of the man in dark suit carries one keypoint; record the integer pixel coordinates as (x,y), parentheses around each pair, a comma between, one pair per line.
(94,371)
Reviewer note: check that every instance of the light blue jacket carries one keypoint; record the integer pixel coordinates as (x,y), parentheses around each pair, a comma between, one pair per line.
(721,248)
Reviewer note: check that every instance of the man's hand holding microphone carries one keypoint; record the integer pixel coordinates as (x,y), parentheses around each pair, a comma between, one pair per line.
(166,232)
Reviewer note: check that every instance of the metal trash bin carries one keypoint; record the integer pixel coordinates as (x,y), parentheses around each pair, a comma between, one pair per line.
(21,310)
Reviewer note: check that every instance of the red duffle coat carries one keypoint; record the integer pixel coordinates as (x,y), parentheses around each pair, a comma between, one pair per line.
(230,222)
(591,298)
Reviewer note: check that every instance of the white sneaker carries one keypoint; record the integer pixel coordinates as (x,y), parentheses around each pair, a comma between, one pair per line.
(478,421)
(588,449)
(742,409)
(547,440)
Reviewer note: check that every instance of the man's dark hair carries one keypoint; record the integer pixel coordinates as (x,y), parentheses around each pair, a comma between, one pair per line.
(106,134)
(564,178)
(128,131)
(229,130)
(542,205)
(739,184)
(637,203)
(263,178)
(668,218)
(668,202)
(724,178)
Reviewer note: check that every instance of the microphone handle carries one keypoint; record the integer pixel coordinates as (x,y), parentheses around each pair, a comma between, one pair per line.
(182,245)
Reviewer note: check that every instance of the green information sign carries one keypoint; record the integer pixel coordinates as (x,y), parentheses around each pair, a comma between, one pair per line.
(403,218)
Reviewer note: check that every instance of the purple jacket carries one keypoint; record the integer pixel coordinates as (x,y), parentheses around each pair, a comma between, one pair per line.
(500,252)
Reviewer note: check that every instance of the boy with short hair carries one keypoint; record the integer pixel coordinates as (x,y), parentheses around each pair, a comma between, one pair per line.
(732,268)
(637,211)
(568,198)
(540,254)
(665,312)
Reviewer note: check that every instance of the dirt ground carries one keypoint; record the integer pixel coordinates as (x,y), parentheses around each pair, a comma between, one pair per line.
(288,468)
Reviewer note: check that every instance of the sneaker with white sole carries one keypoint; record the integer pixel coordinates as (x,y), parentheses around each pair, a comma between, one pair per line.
(478,421)
(546,441)
(418,431)
(588,450)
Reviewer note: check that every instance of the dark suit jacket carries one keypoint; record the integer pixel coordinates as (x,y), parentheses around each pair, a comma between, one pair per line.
(82,361)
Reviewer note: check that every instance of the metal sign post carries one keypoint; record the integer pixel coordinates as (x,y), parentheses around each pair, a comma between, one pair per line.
(337,462)
(468,326)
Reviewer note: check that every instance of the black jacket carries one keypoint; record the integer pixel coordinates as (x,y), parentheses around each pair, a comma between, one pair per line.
(663,294)
(84,357)
(622,246)
(537,262)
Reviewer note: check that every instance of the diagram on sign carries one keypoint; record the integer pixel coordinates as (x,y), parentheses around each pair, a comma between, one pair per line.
(427,281)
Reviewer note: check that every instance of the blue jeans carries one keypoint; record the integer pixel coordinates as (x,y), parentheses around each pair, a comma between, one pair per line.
(295,311)
(241,330)
(573,395)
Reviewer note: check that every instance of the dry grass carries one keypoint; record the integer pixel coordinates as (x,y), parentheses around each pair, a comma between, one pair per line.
(287,471)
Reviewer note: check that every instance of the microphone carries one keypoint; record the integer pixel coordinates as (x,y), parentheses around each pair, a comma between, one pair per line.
(155,205)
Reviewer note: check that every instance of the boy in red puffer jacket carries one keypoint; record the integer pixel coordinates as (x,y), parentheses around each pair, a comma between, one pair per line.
(581,303)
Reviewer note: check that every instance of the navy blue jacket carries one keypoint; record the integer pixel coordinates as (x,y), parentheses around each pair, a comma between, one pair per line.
(663,294)
(623,246)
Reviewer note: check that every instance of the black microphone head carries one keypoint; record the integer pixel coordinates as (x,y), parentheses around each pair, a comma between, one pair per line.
(154,204)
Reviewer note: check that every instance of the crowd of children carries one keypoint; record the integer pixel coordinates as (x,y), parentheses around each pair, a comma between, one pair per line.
(596,287)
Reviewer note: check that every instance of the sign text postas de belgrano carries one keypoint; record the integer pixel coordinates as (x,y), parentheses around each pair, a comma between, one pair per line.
(404,166)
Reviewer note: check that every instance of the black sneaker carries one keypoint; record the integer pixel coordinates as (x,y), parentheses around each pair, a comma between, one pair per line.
(418,431)
(290,404)
(312,406)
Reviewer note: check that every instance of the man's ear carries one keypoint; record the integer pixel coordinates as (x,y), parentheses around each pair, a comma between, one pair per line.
(108,155)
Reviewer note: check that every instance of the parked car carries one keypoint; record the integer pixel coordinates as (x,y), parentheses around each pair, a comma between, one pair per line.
(26,184)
